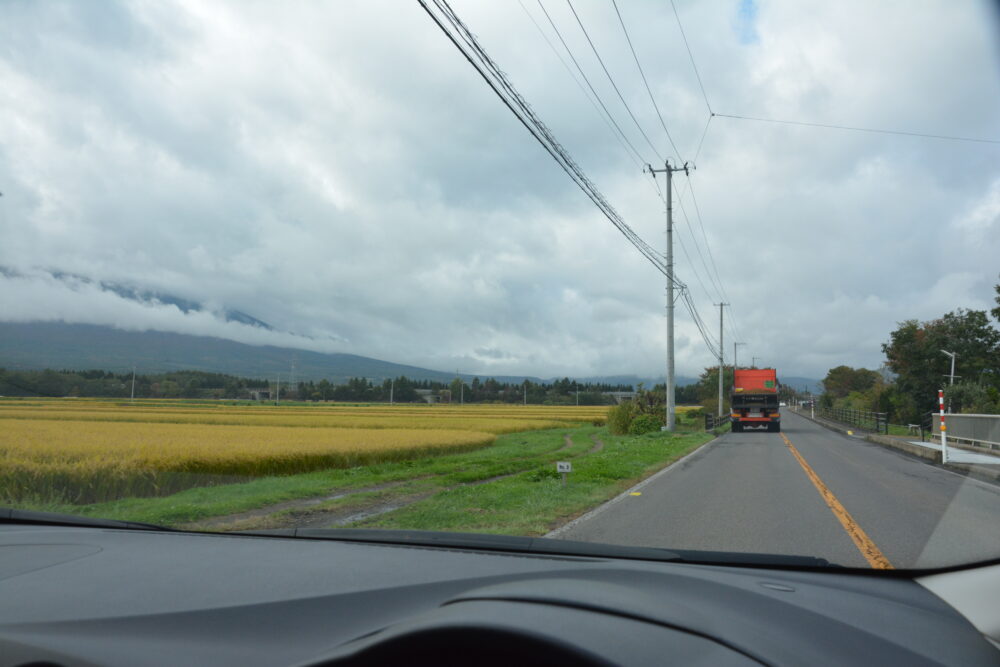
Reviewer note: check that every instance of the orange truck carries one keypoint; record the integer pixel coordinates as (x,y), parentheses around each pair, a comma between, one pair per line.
(754,400)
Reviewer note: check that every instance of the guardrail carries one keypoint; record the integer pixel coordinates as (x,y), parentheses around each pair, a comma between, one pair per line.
(712,421)
(864,419)
(976,430)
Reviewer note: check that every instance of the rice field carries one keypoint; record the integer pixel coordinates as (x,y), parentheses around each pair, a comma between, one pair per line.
(85,451)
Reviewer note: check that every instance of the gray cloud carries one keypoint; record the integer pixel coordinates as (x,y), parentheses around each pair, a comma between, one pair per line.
(339,171)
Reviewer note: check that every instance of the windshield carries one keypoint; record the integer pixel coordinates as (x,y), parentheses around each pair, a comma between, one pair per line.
(475,267)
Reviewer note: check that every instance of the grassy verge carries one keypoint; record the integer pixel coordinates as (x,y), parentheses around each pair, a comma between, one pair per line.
(509,454)
(535,501)
(463,489)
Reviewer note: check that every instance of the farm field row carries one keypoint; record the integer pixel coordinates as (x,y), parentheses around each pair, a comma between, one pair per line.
(86,451)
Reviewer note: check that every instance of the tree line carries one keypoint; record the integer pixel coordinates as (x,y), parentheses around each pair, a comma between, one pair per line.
(916,368)
(405,390)
(205,385)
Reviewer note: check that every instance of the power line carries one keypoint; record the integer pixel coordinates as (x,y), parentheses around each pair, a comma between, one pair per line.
(694,269)
(691,56)
(498,82)
(644,81)
(711,256)
(701,142)
(697,247)
(613,84)
(708,247)
(513,100)
(580,85)
(589,85)
(860,129)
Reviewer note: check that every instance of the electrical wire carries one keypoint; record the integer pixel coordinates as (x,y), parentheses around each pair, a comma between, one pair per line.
(701,142)
(611,79)
(860,129)
(580,85)
(691,56)
(467,44)
(704,236)
(585,78)
(652,99)
(500,85)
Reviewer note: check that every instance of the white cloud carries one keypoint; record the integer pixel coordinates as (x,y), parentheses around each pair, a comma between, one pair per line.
(338,170)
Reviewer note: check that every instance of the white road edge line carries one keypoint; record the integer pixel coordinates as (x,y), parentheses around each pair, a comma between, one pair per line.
(627,493)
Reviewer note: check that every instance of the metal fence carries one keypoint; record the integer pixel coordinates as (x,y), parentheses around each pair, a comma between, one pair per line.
(977,430)
(863,419)
(712,422)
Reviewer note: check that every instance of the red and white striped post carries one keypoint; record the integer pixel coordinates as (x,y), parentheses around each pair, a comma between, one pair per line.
(944,430)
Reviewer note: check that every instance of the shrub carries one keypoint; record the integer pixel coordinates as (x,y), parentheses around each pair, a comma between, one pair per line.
(644,424)
(620,418)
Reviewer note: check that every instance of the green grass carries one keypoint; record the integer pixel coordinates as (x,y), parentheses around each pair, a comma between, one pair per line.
(896,429)
(529,502)
(534,502)
(510,453)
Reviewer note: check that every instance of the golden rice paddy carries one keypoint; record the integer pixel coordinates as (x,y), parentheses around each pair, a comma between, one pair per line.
(84,451)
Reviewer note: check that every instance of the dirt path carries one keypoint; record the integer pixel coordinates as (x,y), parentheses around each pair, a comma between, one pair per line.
(226,522)
(309,513)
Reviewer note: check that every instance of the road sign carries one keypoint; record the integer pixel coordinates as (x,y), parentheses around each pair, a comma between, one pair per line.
(564,466)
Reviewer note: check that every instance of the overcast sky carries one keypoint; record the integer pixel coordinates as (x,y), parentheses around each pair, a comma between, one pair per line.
(339,171)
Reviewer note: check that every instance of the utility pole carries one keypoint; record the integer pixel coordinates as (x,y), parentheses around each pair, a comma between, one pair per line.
(277,389)
(669,171)
(754,363)
(525,392)
(722,368)
(132,400)
(734,353)
(392,385)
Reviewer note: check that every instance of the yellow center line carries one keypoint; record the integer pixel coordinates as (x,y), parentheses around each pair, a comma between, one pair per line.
(872,553)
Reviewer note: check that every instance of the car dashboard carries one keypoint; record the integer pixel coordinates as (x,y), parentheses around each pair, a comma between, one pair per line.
(105,596)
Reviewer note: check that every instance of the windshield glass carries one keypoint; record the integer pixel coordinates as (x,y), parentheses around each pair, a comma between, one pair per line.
(475,267)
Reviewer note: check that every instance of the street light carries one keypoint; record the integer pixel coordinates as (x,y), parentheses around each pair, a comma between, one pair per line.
(952,374)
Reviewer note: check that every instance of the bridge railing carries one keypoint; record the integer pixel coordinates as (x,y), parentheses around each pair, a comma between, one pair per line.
(863,419)
(712,421)
(976,430)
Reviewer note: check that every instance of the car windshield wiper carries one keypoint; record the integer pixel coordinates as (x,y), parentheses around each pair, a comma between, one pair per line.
(545,546)
(9,515)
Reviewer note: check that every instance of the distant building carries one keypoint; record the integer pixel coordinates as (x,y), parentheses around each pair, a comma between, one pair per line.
(428,395)
(260,395)
(620,396)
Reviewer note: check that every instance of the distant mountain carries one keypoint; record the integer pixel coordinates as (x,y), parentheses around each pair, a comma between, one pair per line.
(58,345)
(145,296)
(802,384)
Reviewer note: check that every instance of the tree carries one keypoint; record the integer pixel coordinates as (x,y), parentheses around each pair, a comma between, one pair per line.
(913,353)
(707,388)
(973,397)
(996,311)
(842,380)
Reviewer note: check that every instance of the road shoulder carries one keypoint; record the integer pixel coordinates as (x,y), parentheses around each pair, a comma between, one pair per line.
(687,458)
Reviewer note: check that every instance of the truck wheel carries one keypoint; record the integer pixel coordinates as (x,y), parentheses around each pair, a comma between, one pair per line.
(774,428)
(737,427)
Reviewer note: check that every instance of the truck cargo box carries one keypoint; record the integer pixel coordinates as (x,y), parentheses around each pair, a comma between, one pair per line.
(756,381)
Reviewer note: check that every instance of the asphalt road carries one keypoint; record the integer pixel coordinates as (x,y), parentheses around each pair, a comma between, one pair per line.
(750,492)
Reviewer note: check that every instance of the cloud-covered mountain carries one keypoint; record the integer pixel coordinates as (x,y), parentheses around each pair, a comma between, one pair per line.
(57,345)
